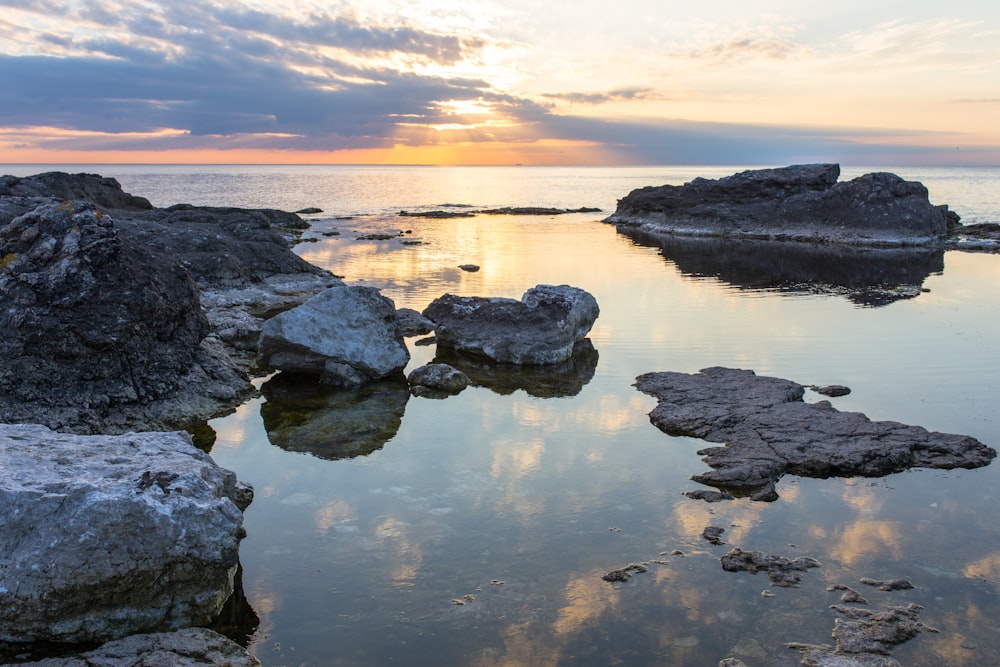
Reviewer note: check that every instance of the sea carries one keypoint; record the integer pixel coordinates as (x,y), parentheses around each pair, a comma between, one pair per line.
(389,529)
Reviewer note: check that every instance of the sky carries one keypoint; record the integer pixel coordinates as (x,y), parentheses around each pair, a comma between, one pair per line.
(627,82)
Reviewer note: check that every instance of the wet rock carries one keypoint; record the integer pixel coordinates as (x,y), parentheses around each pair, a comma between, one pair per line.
(470,268)
(191,647)
(301,415)
(732,662)
(624,573)
(549,381)
(437,381)
(713,534)
(104,536)
(542,328)
(413,323)
(709,496)
(866,638)
(984,236)
(309,210)
(866,276)
(831,390)
(780,570)
(850,595)
(769,431)
(796,203)
(890,585)
(345,335)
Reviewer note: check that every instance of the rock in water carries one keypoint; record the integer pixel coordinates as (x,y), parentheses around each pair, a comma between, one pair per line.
(348,335)
(798,203)
(542,328)
(768,430)
(106,536)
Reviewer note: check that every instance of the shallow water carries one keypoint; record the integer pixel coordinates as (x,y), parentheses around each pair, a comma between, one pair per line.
(522,496)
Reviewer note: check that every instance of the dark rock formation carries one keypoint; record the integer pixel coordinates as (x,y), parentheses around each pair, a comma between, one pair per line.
(797,203)
(864,275)
(780,570)
(890,585)
(301,415)
(191,647)
(769,431)
(624,573)
(345,335)
(100,300)
(541,328)
(104,536)
(713,534)
(413,323)
(437,381)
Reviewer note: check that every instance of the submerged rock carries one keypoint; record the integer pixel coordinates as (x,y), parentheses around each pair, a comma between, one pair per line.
(105,536)
(769,431)
(780,570)
(542,328)
(796,203)
(437,380)
(191,647)
(346,335)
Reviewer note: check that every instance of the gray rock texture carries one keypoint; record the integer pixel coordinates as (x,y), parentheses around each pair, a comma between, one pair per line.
(105,330)
(796,203)
(542,328)
(347,335)
(769,431)
(437,380)
(105,536)
(191,647)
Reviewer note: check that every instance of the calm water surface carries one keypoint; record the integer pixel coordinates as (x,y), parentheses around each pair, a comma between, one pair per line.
(516,499)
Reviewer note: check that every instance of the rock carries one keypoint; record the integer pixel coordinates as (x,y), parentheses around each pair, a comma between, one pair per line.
(470,268)
(850,595)
(831,390)
(105,536)
(91,322)
(541,328)
(769,431)
(709,496)
(890,585)
(309,210)
(99,191)
(624,573)
(866,638)
(437,381)
(301,415)
(713,534)
(413,323)
(191,647)
(732,662)
(796,203)
(780,570)
(346,335)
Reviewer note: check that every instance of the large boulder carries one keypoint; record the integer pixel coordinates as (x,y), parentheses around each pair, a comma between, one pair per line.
(542,328)
(98,190)
(768,431)
(801,203)
(346,335)
(89,320)
(106,536)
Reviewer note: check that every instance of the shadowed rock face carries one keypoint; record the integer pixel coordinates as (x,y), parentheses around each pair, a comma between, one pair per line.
(769,431)
(98,190)
(865,276)
(801,202)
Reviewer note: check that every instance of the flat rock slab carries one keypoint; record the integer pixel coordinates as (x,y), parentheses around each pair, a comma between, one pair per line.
(105,536)
(769,431)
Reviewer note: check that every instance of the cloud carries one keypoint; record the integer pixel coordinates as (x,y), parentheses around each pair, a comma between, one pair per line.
(616,95)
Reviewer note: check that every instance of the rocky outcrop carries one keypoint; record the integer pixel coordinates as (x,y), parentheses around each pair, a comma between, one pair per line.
(191,647)
(105,536)
(797,203)
(437,381)
(769,431)
(346,335)
(100,303)
(780,570)
(542,328)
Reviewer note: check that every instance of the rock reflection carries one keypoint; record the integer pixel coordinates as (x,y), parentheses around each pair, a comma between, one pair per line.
(301,415)
(237,619)
(865,276)
(548,381)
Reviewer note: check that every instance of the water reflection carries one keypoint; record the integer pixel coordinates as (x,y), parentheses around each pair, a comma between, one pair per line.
(549,381)
(865,276)
(237,619)
(301,415)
